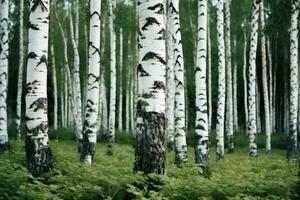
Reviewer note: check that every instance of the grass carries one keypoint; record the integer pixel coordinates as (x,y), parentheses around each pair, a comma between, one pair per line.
(111,177)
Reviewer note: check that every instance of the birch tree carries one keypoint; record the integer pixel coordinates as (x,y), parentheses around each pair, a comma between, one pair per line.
(55,103)
(4,10)
(150,151)
(265,80)
(120,124)
(20,72)
(294,90)
(112,99)
(234,90)
(252,126)
(91,116)
(209,79)
(170,106)
(202,142)
(245,74)
(229,96)
(221,80)
(180,123)
(38,151)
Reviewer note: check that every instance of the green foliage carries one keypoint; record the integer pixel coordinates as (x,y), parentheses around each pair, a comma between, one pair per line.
(111,177)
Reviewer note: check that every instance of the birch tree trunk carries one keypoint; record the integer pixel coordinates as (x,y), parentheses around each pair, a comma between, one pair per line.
(201,129)
(91,116)
(221,81)
(180,123)
(104,105)
(209,81)
(150,152)
(252,126)
(245,78)
(229,96)
(20,72)
(38,151)
(170,106)
(294,90)
(112,99)
(270,83)
(4,8)
(76,77)
(55,112)
(234,79)
(265,80)
(120,124)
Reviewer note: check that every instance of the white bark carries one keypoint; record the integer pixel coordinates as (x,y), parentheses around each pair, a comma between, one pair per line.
(209,79)
(104,105)
(55,106)
(20,72)
(76,77)
(201,129)
(151,118)
(270,83)
(180,123)
(4,10)
(229,96)
(265,80)
(112,99)
(252,126)
(170,95)
(221,80)
(234,90)
(245,78)
(120,123)
(92,100)
(294,89)
(37,142)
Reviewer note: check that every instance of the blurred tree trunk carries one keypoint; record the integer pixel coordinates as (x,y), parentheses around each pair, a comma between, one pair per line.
(209,79)
(294,89)
(90,125)
(221,81)
(245,77)
(252,123)
(38,153)
(20,72)
(55,110)
(234,90)
(120,118)
(150,151)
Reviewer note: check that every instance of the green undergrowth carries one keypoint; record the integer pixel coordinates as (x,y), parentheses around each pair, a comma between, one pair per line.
(111,177)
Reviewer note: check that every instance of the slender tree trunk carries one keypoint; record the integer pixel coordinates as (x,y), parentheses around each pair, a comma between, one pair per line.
(229,96)
(38,151)
(112,101)
(252,126)
(150,152)
(209,80)
(221,81)
(294,90)
(202,142)
(270,84)
(4,10)
(76,77)
(62,108)
(20,73)
(91,116)
(258,119)
(234,79)
(245,78)
(55,112)
(120,124)
(265,80)
(180,124)
(170,106)
(104,105)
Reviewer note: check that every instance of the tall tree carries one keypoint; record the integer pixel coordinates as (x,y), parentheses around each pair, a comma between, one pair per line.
(221,80)
(202,143)
(245,74)
(55,103)
(209,78)
(112,99)
(91,115)
(170,93)
(38,151)
(294,89)
(21,66)
(4,10)
(265,80)
(252,126)
(229,96)
(120,119)
(234,89)
(150,151)
(180,123)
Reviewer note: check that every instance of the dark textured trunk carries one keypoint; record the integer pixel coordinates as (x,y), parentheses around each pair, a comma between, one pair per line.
(150,155)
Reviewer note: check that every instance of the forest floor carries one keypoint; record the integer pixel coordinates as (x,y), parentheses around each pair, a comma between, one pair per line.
(111,177)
